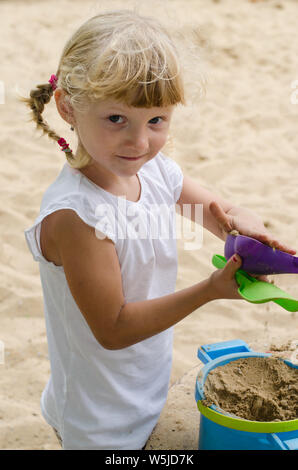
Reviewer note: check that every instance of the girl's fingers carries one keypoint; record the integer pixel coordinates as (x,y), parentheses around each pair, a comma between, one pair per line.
(261,277)
(268,240)
(221,217)
(282,247)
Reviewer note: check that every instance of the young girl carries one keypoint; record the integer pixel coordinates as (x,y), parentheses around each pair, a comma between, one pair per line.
(109,294)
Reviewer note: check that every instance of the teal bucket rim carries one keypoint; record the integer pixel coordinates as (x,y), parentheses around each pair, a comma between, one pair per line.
(239,424)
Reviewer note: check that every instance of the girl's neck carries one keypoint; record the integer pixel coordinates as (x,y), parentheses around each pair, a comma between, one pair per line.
(131,190)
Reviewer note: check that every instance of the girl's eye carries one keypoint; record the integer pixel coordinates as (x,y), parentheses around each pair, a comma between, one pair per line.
(154,120)
(115,118)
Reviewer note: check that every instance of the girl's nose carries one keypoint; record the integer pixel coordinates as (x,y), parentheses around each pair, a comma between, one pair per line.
(137,142)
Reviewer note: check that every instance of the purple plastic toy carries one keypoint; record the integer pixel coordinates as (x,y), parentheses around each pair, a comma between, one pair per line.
(258,258)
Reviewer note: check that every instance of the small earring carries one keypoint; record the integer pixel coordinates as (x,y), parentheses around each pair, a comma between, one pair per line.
(71,128)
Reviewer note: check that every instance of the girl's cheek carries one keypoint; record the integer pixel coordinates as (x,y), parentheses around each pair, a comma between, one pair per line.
(161,140)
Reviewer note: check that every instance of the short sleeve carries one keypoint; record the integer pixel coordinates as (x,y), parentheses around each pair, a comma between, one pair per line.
(83,208)
(174,175)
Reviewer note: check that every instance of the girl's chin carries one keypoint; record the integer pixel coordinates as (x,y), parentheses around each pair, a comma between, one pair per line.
(130,167)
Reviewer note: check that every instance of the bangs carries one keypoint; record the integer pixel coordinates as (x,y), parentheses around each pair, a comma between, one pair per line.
(160,93)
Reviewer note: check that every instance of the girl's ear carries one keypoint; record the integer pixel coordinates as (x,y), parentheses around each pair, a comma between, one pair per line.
(64,108)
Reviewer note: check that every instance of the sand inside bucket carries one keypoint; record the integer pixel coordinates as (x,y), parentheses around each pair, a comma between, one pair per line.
(254,388)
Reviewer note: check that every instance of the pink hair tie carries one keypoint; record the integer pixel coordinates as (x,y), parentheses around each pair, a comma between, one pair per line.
(53,81)
(65,146)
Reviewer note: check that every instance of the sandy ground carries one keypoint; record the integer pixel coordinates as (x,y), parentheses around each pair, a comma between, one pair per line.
(240,140)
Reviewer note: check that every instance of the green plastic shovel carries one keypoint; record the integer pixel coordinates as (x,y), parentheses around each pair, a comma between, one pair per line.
(258,292)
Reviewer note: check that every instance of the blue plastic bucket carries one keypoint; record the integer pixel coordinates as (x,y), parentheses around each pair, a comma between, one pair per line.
(219,431)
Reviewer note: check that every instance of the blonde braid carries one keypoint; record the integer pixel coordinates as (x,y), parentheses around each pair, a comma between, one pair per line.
(40,96)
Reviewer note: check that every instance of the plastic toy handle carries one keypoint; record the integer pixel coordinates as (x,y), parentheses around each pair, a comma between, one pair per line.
(209,352)
(258,292)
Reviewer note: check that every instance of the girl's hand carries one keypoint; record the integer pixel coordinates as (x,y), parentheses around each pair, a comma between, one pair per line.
(249,224)
(222,283)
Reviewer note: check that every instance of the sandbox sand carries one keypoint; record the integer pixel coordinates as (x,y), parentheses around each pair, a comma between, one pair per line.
(241,140)
(255,388)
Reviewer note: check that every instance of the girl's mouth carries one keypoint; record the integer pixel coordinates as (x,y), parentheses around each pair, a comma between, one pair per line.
(131,158)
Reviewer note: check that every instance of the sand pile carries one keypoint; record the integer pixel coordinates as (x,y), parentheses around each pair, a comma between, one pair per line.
(254,388)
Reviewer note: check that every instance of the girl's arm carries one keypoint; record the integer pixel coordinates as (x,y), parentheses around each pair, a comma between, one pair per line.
(193,193)
(93,274)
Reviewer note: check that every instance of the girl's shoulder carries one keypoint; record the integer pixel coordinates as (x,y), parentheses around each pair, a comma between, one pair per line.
(47,241)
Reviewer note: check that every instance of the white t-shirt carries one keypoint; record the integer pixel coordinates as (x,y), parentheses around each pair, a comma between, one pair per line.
(98,398)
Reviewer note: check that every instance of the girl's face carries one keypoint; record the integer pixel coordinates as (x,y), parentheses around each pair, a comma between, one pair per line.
(119,138)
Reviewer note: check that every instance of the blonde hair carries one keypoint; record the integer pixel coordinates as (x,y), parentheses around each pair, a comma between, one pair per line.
(119,55)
